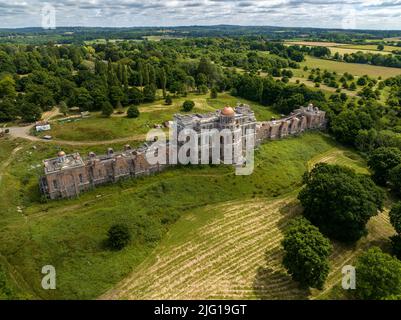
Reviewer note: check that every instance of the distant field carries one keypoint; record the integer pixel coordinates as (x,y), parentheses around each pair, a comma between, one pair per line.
(371,47)
(159,38)
(315,43)
(342,48)
(353,68)
(104,41)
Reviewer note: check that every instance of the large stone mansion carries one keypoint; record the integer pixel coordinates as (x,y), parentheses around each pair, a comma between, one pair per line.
(67,176)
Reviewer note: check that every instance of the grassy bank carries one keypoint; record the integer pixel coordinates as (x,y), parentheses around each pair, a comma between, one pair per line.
(70,234)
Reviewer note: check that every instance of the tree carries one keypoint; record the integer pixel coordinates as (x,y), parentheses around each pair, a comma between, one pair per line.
(395,217)
(135,96)
(41,96)
(395,178)
(149,93)
(82,99)
(201,79)
(361,81)
(63,108)
(30,112)
(7,87)
(285,79)
(213,93)
(346,125)
(306,254)
(163,81)
(340,202)
(380,47)
(133,112)
(116,95)
(287,105)
(169,100)
(107,109)
(378,275)
(188,106)
(119,236)
(382,161)
(396,246)
(8,110)
(119,108)
(203,89)
(6,63)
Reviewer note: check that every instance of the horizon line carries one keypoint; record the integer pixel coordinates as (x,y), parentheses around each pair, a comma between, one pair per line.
(198,25)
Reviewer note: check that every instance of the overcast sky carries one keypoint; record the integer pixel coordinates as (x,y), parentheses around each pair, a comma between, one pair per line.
(359,14)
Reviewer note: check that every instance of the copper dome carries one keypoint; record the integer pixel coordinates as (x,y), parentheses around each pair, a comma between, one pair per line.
(228,111)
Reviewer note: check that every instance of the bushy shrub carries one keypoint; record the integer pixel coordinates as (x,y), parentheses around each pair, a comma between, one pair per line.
(119,236)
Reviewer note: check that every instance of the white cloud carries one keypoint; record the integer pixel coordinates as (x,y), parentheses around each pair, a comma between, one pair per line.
(374,14)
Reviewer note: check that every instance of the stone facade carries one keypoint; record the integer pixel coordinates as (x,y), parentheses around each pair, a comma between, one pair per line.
(297,122)
(238,122)
(67,176)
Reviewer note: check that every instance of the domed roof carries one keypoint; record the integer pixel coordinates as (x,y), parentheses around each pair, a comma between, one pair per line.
(228,111)
(61,154)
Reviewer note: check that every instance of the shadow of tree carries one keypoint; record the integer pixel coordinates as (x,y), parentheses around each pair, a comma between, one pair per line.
(273,284)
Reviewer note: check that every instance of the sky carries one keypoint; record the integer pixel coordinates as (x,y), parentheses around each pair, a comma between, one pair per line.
(345,14)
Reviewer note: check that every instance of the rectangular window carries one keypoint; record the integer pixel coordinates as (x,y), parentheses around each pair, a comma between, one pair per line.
(81,179)
(55,184)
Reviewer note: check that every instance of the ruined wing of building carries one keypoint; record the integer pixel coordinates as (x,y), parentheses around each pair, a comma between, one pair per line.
(67,176)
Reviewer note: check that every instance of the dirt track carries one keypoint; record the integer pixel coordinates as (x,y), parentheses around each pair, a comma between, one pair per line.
(24,133)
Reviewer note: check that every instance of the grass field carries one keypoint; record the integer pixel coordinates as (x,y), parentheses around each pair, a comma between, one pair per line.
(98,128)
(353,68)
(70,234)
(315,43)
(225,244)
(343,48)
(371,47)
(232,250)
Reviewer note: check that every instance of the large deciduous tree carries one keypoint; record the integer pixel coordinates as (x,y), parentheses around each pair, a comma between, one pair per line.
(382,161)
(149,93)
(7,87)
(135,96)
(378,275)
(306,254)
(395,217)
(107,109)
(395,179)
(339,201)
